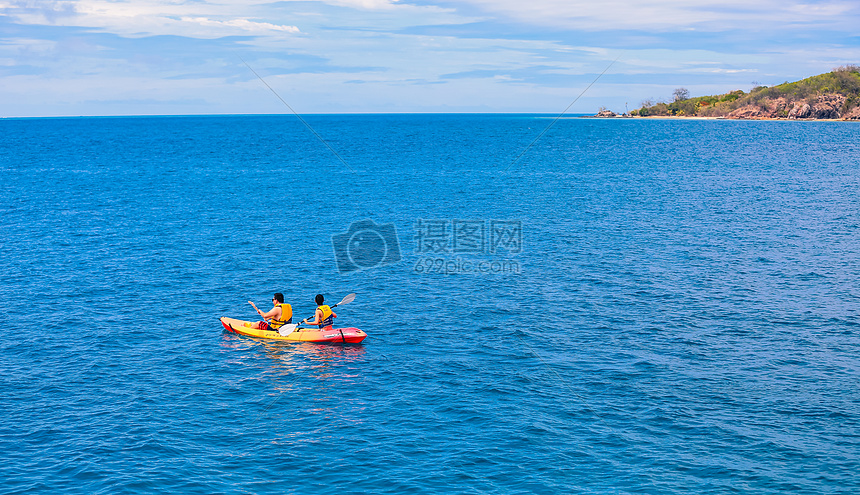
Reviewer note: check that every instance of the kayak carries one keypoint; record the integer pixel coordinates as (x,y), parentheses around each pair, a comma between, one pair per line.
(332,336)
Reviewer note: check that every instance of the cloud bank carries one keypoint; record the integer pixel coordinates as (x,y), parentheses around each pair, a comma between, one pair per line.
(62,57)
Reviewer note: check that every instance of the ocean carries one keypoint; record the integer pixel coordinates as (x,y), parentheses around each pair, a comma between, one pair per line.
(553,305)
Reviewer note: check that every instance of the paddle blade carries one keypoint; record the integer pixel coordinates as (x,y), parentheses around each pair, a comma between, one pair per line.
(287,329)
(346,300)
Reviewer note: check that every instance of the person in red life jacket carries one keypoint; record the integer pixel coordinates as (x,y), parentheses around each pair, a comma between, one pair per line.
(278,316)
(324,316)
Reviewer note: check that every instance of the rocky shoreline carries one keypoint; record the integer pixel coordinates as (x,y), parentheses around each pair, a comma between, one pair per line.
(827,107)
(833,95)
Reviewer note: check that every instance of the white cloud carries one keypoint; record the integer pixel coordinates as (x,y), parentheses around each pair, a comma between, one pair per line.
(709,15)
(216,18)
(379,55)
(150,17)
(32,47)
(364,4)
(243,24)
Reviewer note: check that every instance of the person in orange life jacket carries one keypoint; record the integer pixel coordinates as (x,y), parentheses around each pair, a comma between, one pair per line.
(278,316)
(323,316)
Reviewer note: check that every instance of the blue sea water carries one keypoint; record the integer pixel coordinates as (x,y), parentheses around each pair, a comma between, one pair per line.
(612,306)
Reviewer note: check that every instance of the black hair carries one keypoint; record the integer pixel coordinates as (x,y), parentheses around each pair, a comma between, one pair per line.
(279,297)
(319,299)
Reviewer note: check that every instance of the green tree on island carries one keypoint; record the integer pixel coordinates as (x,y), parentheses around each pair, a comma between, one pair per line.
(833,95)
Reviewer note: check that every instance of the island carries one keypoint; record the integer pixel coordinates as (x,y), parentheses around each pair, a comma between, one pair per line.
(831,96)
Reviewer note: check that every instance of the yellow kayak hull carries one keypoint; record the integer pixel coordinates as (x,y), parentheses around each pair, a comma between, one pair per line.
(332,336)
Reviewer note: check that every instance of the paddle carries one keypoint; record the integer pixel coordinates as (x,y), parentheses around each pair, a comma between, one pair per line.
(257,310)
(292,326)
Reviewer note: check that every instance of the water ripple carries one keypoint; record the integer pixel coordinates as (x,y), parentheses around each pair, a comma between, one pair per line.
(685,320)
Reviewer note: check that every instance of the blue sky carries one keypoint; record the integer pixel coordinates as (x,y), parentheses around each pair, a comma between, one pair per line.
(177,57)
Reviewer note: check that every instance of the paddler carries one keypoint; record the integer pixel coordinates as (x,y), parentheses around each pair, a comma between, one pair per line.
(323,316)
(278,316)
